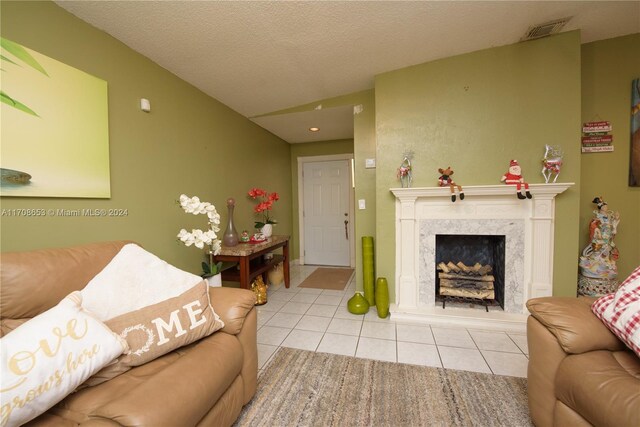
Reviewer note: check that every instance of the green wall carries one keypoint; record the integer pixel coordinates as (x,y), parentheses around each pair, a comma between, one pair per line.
(189,143)
(475,112)
(364,127)
(364,147)
(608,67)
(320,148)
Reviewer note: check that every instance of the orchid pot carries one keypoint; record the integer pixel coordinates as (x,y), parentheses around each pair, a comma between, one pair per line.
(214,281)
(267,230)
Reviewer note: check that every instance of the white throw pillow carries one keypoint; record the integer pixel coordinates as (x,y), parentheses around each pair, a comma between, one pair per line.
(134,279)
(47,357)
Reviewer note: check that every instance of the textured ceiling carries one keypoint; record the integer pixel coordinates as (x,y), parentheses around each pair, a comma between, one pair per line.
(262,56)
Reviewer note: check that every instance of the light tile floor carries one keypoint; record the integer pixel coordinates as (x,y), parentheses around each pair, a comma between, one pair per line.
(318,320)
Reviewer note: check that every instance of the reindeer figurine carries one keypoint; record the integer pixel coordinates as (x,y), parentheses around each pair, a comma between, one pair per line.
(552,162)
(405,171)
(445,179)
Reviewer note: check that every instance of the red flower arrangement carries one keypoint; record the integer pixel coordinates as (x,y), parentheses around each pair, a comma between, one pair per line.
(265,204)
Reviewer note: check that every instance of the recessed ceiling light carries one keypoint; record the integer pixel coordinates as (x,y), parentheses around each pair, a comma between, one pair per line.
(314,129)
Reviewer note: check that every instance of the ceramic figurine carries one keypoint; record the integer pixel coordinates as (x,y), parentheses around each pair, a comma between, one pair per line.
(514,177)
(257,238)
(445,180)
(260,290)
(598,259)
(552,162)
(244,237)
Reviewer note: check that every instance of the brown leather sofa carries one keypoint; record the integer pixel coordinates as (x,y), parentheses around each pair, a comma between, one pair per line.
(579,373)
(203,384)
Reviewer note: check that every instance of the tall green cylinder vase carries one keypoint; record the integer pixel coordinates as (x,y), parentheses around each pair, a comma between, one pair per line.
(367,269)
(382,297)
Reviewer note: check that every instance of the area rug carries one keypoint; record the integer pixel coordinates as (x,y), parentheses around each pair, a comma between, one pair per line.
(334,279)
(303,388)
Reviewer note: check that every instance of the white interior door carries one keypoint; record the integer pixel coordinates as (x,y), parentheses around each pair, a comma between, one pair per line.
(326,212)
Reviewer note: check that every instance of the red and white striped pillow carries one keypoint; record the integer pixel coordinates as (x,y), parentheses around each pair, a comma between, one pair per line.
(620,312)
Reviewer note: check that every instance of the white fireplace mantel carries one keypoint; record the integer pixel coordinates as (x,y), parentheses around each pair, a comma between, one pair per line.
(485,206)
(550,190)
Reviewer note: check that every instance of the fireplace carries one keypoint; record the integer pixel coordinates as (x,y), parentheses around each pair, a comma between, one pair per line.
(517,233)
(470,268)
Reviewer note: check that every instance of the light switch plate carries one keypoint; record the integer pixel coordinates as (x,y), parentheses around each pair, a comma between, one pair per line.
(362,204)
(369,163)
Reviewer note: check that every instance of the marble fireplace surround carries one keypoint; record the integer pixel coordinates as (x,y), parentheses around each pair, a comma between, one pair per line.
(528,227)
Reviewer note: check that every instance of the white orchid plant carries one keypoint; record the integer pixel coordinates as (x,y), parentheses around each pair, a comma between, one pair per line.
(199,238)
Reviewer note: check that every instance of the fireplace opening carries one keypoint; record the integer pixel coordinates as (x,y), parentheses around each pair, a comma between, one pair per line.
(471,268)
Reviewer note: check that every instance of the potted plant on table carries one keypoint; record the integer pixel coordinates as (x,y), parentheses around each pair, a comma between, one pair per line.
(263,208)
(210,271)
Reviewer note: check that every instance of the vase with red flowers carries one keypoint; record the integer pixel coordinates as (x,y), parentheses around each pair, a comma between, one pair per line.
(263,210)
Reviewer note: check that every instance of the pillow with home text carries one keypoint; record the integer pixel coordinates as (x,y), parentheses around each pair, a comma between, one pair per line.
(157,329)
(47,357)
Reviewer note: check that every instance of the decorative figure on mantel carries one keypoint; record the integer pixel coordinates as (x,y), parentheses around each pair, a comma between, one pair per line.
(445,180)
(405,174)
(514,177)
(598,269)
(552,162)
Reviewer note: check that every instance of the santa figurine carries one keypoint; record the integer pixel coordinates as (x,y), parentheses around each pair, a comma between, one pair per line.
(514,177)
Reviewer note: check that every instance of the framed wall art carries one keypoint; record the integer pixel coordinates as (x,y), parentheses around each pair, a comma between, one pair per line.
(634,155)
(55,128)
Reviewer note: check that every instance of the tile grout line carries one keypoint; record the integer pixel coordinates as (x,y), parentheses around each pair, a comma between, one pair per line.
(481,353)
(359,336)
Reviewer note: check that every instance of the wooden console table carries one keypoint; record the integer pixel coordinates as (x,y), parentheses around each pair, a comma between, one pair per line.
(250,258)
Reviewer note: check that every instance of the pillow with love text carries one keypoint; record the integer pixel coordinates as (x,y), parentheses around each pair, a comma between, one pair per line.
(157,329)
(47,357)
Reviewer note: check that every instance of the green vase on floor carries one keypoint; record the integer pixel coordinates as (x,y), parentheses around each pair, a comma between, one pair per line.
(367,269)
(357,304)
(382,297)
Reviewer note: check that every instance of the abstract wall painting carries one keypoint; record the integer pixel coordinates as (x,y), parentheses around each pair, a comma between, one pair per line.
(634,156)
(54,128)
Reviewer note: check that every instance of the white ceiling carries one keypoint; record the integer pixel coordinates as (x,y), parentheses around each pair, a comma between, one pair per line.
(258,57)
(334,123)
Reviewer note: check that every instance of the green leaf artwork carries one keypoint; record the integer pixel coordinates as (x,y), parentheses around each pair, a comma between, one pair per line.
(20,53)
(4,58)
(16,104)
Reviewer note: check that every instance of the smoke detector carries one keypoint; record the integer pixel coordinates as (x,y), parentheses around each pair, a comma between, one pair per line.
(546,29)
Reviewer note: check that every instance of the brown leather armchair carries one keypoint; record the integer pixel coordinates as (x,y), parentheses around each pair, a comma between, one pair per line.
(202,384)
(579,374)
